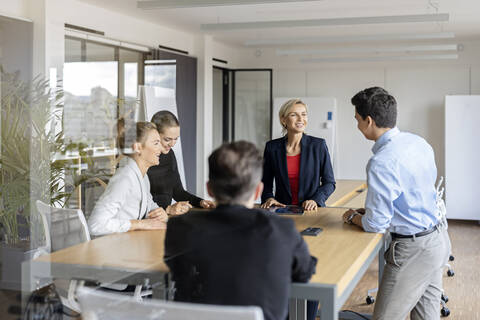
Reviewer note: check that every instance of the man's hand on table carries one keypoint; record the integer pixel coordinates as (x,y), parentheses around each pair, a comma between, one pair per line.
(352,216)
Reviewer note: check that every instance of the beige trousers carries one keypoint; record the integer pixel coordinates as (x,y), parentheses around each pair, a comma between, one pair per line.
(412,278)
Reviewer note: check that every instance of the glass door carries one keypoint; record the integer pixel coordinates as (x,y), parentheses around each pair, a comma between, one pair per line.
(252,106)
(242,106)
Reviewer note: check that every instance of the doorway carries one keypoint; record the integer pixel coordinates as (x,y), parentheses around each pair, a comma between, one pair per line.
(242,106)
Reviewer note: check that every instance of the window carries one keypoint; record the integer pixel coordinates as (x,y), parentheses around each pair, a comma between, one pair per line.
(100,84)
(95,76)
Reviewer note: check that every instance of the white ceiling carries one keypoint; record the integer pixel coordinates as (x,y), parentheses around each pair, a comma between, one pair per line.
(464,17)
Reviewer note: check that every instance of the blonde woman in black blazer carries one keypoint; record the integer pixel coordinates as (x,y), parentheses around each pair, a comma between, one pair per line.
(298,163)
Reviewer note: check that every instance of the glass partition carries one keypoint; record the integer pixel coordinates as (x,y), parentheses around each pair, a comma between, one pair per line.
(100,85)
(252,106)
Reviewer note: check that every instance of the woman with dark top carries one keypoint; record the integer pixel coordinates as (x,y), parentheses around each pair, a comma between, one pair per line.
(299,163)
(164,178)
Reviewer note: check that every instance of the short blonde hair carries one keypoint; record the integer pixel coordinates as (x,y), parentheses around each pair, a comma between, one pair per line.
(285,109)
(129,133)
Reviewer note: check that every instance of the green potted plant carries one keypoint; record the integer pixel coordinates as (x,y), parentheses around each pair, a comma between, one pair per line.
(34,164)
(29,170)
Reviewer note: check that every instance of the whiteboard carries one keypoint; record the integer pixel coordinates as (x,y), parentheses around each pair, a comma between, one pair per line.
(154,99)
(462,154)
(322,119)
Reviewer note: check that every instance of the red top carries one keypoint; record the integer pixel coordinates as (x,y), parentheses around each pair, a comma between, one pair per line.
(293,167)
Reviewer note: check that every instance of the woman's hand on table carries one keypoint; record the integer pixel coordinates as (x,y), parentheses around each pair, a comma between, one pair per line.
(157,223)
(207,204)
(158,213)
(309,205)
(178,208)
(271,202)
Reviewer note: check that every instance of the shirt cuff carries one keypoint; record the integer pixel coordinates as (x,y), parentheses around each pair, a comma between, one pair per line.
(124,226)
(369,227)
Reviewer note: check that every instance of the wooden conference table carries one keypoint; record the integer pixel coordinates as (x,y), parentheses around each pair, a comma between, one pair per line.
(346,191)
(344,253)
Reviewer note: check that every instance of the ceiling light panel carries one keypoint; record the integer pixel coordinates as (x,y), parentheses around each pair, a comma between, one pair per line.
(385,58)
(424,48)
(349,39)
(440,17)
(172,4)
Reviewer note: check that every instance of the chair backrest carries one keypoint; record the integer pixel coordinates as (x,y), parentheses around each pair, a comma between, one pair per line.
(97,305)
(63,227)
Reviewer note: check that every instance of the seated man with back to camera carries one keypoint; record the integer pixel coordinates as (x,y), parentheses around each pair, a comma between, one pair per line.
(236,255)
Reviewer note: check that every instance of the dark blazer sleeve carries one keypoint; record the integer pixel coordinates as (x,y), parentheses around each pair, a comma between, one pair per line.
(176,239)
(171,245)
(303,266)
(268,173)
(179,193)
(327,186)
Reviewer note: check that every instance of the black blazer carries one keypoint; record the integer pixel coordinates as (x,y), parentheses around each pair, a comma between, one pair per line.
(316,180)
(165,183)
(236,256)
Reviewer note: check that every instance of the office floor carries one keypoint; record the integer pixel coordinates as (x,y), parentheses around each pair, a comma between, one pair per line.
(463,289)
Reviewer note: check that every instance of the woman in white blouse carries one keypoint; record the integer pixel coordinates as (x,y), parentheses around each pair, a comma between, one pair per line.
(127,203)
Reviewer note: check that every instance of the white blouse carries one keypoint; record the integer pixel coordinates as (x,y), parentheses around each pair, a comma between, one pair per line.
(127,197)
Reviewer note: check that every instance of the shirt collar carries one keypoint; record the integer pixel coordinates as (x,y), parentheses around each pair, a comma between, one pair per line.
(384,139)
(133,164)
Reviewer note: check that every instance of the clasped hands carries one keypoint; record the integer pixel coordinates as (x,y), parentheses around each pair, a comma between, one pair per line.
(307,205)
(157,218)
(182,207)
(178,208)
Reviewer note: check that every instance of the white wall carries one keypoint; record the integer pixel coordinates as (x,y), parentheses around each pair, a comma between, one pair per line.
(226,52)
(14,8)
(419,87)
(204,112)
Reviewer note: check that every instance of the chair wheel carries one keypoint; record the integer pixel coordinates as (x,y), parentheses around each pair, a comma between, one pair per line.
(370,300)
(444,298)
(445,312)
(451,258)
(450,273)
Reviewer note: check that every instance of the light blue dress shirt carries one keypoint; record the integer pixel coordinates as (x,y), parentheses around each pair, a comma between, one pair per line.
(401,179)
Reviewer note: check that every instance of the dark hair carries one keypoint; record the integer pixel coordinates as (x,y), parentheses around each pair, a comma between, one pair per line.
(235,169)
(377,103)
(165,119)
(129,133)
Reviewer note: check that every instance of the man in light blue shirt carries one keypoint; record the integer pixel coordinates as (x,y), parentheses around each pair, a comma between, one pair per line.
(401,199)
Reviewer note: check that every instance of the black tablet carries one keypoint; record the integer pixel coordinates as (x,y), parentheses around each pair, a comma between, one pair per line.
(288,210)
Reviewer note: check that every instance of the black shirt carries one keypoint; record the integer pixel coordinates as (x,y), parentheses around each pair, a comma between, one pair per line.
(165,183)
(237,256)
